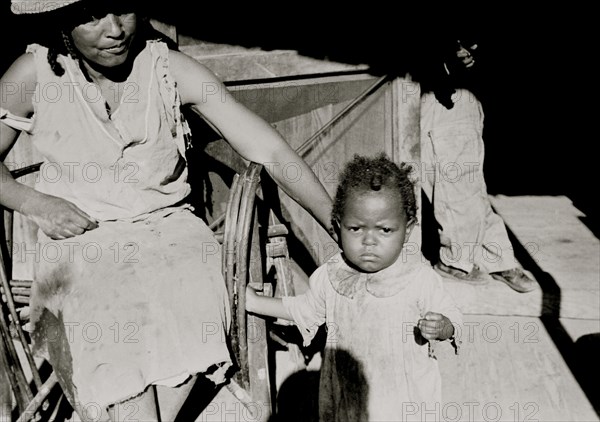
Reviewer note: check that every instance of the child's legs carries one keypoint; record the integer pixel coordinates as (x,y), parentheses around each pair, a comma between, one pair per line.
(428,165)
(498,253)
(459,198)
(452,154)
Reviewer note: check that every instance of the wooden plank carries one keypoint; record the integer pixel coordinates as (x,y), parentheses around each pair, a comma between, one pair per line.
(258,354)
(508,369)
(237,63)
(278,101)
(6,397)
(167,29)
(551,241)
(494,298)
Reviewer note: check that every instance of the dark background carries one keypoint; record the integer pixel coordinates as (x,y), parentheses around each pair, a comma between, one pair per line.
(536,71)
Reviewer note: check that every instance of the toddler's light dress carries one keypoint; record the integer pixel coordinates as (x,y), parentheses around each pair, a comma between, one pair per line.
(375,366)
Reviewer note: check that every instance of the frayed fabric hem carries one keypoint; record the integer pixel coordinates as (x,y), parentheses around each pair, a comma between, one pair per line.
(217,374)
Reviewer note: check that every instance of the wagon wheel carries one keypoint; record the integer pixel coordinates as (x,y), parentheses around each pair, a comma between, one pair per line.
(248,250)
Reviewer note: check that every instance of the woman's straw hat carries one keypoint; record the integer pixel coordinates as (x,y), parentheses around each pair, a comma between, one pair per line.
(21,7)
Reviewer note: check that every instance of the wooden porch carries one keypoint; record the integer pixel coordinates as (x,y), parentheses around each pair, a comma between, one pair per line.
(525,357)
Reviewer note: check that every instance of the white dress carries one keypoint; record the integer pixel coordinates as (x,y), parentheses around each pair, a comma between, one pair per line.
(141,299)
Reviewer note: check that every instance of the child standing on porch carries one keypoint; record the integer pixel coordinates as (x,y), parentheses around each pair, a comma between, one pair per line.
(383,306)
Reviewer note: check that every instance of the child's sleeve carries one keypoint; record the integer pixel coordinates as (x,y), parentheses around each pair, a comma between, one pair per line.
(308,309)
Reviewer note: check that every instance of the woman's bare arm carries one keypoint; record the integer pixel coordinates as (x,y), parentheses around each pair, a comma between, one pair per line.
(251,136)
(56,217)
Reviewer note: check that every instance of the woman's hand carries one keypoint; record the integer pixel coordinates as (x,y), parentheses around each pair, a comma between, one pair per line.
(56,217)
(434,326)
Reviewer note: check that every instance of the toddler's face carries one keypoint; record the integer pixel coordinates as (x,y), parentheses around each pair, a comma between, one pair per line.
(373,229)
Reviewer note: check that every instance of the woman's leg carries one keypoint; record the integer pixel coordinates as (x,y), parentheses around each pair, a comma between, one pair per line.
(156,401)
(141,408)
(171,399)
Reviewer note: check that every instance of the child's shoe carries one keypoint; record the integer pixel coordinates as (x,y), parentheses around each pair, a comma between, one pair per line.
(516,279)
(476,276)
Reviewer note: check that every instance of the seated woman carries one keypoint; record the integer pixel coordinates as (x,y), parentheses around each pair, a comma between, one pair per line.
(129,301)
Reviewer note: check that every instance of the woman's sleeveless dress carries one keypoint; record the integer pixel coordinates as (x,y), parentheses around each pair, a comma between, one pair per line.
(141,299)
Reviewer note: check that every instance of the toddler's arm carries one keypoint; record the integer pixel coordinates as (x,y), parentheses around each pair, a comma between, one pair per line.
(306,310)
(435,326)
(265,305)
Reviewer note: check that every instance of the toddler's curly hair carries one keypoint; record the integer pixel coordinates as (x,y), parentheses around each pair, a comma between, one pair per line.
(364,174)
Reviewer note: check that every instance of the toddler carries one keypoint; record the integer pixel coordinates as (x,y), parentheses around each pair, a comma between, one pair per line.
(382,305)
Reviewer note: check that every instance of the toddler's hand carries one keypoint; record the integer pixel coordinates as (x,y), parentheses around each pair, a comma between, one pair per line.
(434,326)
(251,296)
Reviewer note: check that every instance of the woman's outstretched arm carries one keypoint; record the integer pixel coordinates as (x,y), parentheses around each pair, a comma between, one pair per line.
(251,136)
